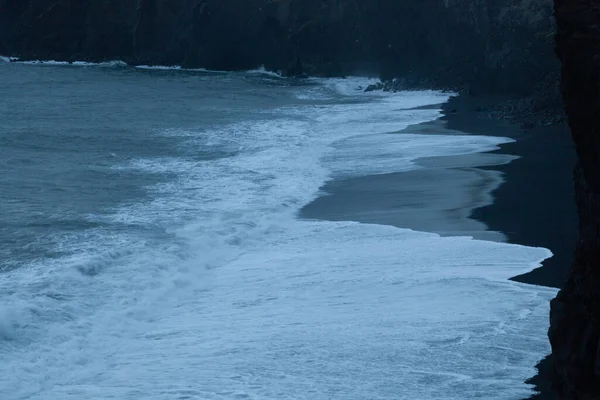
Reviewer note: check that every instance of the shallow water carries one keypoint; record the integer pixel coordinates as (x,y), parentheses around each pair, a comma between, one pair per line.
(151,249)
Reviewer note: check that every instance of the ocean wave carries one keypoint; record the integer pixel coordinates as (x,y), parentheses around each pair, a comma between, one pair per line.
(263,71)
(5,59)
(266,305)
(109,64)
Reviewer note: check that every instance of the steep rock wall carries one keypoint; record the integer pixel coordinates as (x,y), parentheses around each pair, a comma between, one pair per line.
(575,313)
(482,45)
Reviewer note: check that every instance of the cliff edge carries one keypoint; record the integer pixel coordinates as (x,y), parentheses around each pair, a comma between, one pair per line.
(575,313)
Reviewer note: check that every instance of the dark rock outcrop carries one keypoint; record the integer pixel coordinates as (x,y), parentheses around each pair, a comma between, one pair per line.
(477,45)
(575,313)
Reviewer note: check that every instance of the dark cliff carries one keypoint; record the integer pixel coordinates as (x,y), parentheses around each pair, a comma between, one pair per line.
(575,313)
(492,46)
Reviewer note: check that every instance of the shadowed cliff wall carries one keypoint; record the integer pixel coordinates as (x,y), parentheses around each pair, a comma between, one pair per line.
(482,45)
(575,313)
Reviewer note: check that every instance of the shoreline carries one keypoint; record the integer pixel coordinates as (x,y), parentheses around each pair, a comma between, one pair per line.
(529,181)
(524,191)
(535,206)
(541,180)
(521,193)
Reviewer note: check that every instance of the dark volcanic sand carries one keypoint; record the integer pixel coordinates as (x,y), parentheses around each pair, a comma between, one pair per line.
(540,186)
(535,206)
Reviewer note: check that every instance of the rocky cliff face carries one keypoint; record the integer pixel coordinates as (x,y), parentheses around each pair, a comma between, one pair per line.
(575,314)
(482,45)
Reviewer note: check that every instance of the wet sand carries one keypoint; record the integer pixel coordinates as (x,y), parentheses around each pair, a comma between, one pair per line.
(535,206)
(438,198)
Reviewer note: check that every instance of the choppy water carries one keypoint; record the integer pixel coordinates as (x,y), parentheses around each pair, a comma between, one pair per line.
(150,246)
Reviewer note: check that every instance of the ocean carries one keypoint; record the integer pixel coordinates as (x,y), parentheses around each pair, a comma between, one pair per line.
(152,244)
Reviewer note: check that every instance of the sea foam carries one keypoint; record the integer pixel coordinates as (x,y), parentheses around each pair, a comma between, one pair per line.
(238,298)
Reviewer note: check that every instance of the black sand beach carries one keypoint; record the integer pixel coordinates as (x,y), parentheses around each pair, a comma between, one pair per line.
(521,193)
(535,205)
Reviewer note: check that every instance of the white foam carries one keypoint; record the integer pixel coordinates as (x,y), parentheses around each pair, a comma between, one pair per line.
(8,59)
(263,71)
(160,67)
(178,68)
(239,299)
(115,63)
(351,86)
(364,154)
(337,310)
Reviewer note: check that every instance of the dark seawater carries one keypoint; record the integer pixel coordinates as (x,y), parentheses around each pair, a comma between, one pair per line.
(151,245)
(66,130)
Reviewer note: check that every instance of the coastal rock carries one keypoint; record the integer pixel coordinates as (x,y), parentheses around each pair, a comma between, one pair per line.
(575,312)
